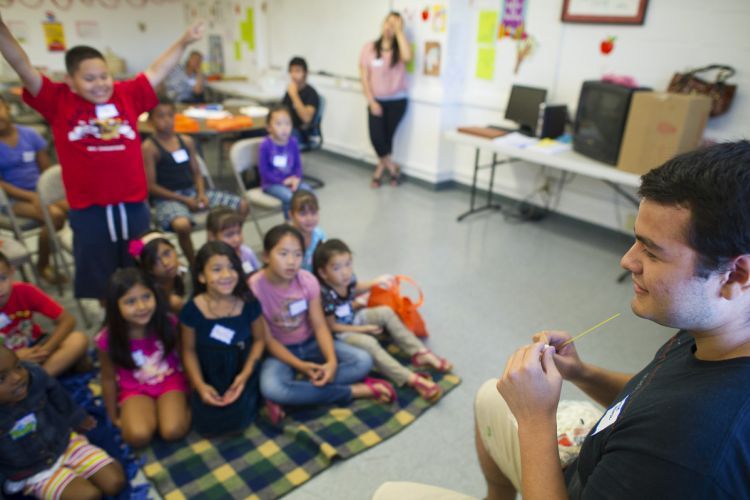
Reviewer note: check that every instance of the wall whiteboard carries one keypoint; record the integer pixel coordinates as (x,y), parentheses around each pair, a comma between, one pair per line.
(329,34)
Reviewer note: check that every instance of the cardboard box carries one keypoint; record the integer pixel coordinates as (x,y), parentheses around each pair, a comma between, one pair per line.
(660,126)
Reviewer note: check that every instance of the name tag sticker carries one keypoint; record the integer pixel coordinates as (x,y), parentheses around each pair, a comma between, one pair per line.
(222,334)
(297,307)
(23,426)
(343,310)
(247,267)
(28,156)
(138,358)
(279,161)
(377,63)
(104,111)
(180,156)
(4,320)
(610,416)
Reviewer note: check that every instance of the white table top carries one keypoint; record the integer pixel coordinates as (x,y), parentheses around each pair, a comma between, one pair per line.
(570,161)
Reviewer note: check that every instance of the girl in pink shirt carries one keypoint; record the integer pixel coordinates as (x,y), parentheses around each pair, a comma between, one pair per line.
(333,372)
(382,69)
(143,385)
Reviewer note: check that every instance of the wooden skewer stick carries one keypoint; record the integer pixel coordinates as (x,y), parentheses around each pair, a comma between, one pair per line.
(587,331)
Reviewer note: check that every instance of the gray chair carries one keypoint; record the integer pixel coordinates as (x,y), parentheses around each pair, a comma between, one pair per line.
(244,156)
(50,189)
(16,248)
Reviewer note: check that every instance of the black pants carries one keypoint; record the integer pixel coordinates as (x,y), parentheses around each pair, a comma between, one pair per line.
(384,126)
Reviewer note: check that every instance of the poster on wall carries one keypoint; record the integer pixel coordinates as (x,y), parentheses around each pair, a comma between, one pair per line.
(88,30)
(513,24)
(215,55)
(54,36)
(247,29)
(439,18)
(432,59)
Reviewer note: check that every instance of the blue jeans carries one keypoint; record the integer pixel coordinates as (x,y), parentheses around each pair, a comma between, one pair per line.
(284,194)
(278,382)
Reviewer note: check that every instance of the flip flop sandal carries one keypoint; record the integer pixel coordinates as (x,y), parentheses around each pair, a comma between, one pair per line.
(376,182)
(417,359)
(389,391)
(275,412)
(396,178)
(427,392)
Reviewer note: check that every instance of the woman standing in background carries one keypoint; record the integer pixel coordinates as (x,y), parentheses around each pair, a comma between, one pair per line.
(382,67)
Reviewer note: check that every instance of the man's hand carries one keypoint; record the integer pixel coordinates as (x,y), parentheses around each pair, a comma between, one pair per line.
(192,203)
(202,202)
(531,384)
(566,358)
(292,90)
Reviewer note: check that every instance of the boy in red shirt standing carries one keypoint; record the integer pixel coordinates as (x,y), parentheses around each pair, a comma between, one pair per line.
(18,331)
(94,122)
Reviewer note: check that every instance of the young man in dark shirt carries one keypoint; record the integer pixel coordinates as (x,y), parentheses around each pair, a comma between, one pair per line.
(680,428)
(303,102)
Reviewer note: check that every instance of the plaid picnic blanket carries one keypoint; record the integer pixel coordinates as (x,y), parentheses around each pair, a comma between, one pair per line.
(267,461)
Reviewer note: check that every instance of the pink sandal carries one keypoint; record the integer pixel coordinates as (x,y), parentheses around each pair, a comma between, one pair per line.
(275,412)
(377,392)
(426,392)
(417,359)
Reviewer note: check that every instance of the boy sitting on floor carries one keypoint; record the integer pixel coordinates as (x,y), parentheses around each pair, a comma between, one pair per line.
(18,302)
(40,452)
(175,180)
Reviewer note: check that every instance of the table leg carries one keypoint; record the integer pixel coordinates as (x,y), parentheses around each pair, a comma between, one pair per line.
(488,205)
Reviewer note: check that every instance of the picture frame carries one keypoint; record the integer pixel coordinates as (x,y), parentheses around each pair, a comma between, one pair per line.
(604,11)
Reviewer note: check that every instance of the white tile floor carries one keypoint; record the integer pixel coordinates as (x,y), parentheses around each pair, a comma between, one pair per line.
(488,286)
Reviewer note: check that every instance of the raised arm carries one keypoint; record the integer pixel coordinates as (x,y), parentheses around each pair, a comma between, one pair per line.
(403,44)
(19,60)
(159,69)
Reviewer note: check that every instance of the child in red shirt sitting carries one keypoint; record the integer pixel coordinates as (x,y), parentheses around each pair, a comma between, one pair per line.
(18,332)
(94,122)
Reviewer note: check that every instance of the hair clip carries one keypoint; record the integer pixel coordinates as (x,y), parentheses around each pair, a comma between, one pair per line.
(135,247)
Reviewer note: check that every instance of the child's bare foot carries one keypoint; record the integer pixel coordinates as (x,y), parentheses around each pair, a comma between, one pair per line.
(427,358)
(374,388)
(425,386)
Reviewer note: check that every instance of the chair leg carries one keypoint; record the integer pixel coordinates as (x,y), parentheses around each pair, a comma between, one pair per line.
(35,273)
(84,315)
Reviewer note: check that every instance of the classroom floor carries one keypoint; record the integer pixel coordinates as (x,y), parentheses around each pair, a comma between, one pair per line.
(488,284)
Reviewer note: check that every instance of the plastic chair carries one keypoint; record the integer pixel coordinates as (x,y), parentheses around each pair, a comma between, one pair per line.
(244,156)
(50,189)
(20,227)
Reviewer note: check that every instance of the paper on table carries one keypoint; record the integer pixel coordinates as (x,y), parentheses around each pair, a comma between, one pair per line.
(204,113)
(516,139)
(254,111)
(550,146)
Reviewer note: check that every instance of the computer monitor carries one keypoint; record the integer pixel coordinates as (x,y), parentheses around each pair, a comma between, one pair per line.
(523,107)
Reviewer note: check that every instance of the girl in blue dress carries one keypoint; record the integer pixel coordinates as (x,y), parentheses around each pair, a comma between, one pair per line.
(223,336)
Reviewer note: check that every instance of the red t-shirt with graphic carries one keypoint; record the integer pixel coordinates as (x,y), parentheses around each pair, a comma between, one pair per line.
(98,144)
(17,326)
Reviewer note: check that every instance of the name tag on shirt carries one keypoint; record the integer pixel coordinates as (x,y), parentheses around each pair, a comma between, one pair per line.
(610,416)
(138,358)
(180,156)
(247,267)
(23,426)
(4,320)
(104,111)
(28,156)
(298,307)
(377,63)
(222,334)
(343,310)
(279,161)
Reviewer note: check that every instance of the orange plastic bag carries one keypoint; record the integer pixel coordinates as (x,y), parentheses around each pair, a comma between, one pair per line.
(231,123)
(185,125)
(402,306)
